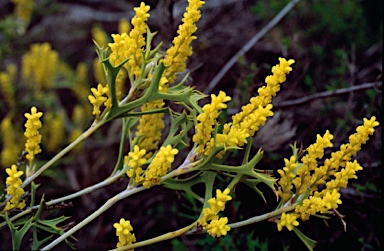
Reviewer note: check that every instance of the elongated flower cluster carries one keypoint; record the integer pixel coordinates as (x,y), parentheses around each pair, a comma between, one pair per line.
(53,131)
(135,160)
(123,231)
(130,46)
(207,119)
(334,174)
(32,127)
(14,189)
(11,147)
(216,226)
(254,114)
(39,66)
(150,126)
(159,165)
(23,10)
(176,56)
(7,84)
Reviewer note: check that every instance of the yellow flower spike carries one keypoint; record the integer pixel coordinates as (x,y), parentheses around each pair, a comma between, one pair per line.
(124,26)
(285,182)
(207,119)
(23,10)
(11,147)
(218,227)
(135,160)
(123,231)
(304,180)
(32,126)
(347,151)
(14,190)
(39,66)
(160,165)
(7,84)
(176,56)
(130,46)
(99,35)
(287,220)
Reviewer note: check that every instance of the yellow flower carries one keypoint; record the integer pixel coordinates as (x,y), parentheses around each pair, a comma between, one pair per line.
(176,56)
(14,190)
(11,146)
(287,220)
(124,26)
(7,84)
(304,180)
(285,182)
(39,66)
(54,131)
(218,227)
(207,119)
(150,126)
(99,35)
(331,199)
(98,99)
(266,92)
(160,165)
(347,151)
(135,160)
(23,10)
(254,114)
(123,231)
(32,126)
(130,46)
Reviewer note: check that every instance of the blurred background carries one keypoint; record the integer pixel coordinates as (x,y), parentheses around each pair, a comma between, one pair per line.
(337,46)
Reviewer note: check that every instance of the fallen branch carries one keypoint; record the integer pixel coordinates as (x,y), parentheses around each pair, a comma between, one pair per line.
(326,94)
(249,45)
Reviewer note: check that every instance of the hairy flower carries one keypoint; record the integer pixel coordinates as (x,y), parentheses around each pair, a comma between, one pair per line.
(218,227)
(287,220)
(176,56)
(14,189)
(159,165)
(32,126)
(123,231)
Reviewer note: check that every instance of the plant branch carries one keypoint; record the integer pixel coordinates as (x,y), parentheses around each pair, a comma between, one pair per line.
(249,45)
(94,215)
(58,156)
(326,94)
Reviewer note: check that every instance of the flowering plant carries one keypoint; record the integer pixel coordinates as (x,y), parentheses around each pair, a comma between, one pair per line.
(143,90)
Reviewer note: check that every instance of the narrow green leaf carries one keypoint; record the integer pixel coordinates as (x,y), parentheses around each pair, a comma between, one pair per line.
(309,243)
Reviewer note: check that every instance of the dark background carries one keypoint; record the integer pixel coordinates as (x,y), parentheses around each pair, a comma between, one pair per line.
(336,44)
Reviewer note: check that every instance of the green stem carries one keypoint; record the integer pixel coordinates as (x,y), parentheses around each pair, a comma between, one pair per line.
(84,191)
(160,238)
(58,156)
(94,215)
